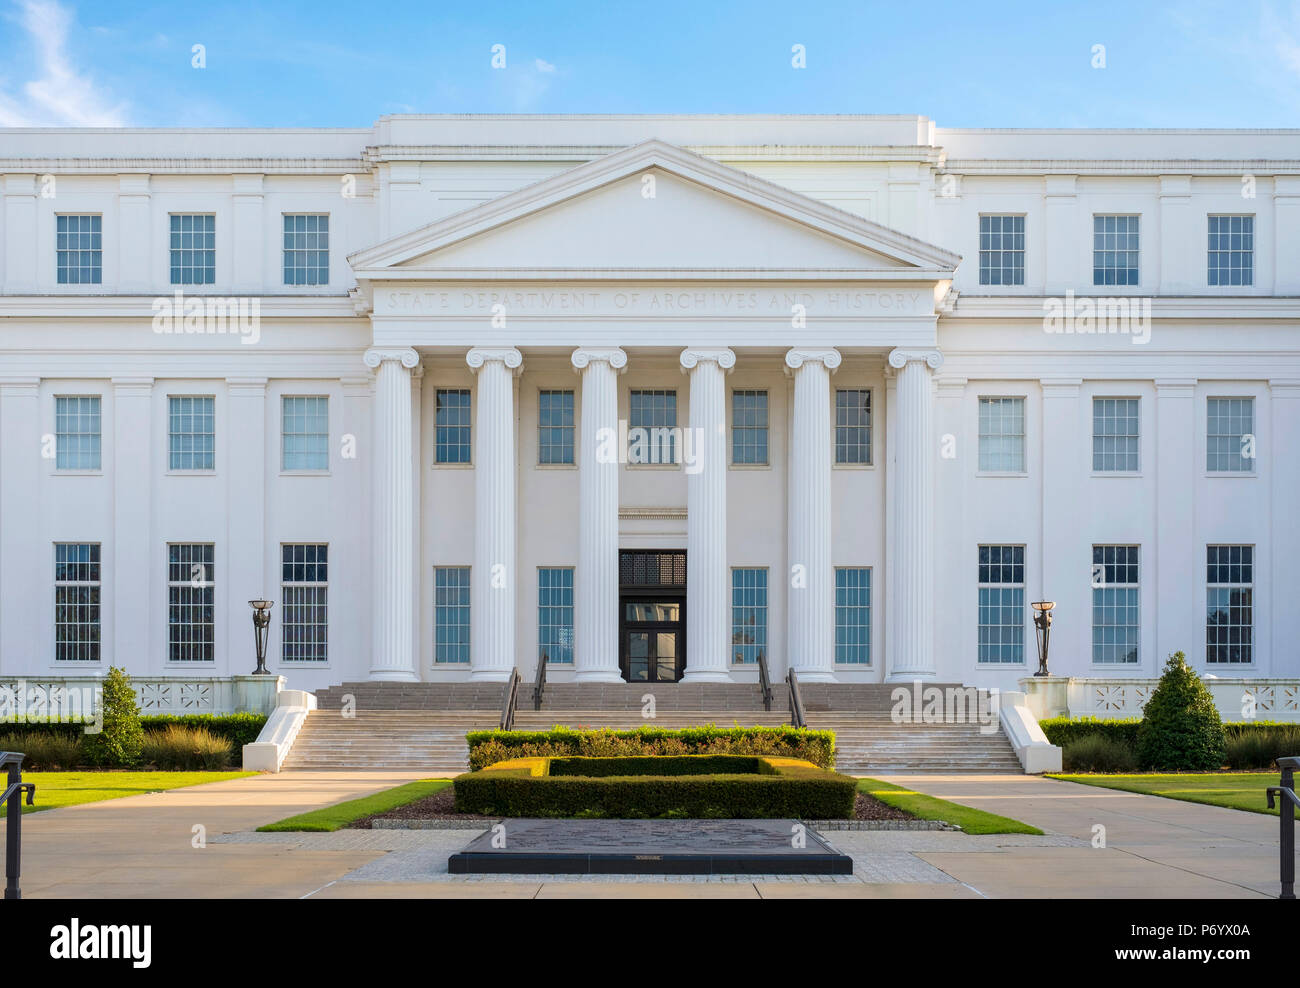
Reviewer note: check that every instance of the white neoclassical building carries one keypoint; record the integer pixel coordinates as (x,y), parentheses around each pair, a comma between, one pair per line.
(652,397)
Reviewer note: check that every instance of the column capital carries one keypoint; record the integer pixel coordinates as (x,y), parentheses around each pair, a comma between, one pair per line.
(900,358)
(800,355)
(377,355)
(611,355)
(508,355)
(693,356)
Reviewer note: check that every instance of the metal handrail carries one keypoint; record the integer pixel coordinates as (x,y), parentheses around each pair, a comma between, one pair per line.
(796,701)
(764,682)
(539,683)
(1286,815)
(509,701)
(13,762)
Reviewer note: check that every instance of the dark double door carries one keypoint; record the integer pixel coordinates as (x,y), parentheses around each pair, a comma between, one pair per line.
(652,616)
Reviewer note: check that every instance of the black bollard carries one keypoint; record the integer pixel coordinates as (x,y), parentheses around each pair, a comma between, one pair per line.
(1286,816)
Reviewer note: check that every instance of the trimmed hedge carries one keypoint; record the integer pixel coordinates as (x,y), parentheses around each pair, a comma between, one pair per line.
(489,747)
(657,765)
(780,788)
(1255,744)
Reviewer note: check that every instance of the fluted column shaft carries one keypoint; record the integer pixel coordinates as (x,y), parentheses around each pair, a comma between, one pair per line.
(811,580)
(493,578)
(596,580)
(911,651)
(392,580)
(708,611)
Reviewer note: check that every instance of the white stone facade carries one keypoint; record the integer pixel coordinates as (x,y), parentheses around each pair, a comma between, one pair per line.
(510,256)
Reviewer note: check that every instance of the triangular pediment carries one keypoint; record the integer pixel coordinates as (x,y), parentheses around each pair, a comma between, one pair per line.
(653,207)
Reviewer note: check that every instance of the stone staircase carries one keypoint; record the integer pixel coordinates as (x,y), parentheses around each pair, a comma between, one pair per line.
(420,740)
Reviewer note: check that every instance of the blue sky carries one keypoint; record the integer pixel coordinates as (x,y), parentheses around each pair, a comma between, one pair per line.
(1185,63)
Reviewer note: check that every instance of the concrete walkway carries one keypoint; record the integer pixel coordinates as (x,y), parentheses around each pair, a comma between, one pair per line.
(145,846)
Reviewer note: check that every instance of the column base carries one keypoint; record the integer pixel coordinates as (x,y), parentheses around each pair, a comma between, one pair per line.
(393,676)
(708,676)
(597,676)
(815,676)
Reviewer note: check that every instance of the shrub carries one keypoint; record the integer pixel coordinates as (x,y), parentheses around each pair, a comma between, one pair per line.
(1097,753)
(1259,746)
(818,747)
(180,748)
(1181,729)
(45,752)
(1062,730)
(119,743)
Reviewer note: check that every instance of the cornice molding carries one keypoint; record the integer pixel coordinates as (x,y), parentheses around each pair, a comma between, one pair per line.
(185,166)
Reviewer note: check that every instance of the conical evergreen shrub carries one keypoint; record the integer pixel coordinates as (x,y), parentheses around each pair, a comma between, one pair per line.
(118,744)
(1181,730)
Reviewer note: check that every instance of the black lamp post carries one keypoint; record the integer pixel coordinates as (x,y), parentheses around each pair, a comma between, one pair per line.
(1043,631)
(261,621)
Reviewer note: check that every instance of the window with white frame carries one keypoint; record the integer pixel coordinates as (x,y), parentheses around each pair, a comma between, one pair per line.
(304,432)
(748,614)
(1229,604)
(304,590)
(1114,250)
(79,249)
(1002,250)
(748,427)
(555,426)
(655,412)
(853,615)
(191,432)
(78,432)
(1115,435)
(76,601)
(193,249)
(1231,250)
(451,603)
(1116,606)
(1230,435)
(1002,435)
(306,249)
(451,425)
(1001,604)
(853,425)
(555,614)
(191,619)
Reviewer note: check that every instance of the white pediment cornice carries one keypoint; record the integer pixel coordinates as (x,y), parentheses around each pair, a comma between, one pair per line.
(877,248)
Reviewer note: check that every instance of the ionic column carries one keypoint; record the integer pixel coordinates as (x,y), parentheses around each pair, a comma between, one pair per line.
(596,580)
(393,650)
(911,639)
(811,580)
(708,597)
(492,580)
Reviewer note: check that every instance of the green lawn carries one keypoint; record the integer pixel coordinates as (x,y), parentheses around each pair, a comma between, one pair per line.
(931,808)
(341,814)
(55,789)
(1235,790)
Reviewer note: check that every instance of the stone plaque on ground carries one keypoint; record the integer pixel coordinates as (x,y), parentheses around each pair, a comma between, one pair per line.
(650,847)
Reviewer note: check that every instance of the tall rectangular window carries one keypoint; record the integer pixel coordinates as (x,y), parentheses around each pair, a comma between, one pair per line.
(1231,251)
(304,590)
(748,614)
(193,249)
(452,418)
(78,432)
(305,432)
(1115,250)
(749,427)
(1116,607)
(1229,604)
(306,249)
(76,601)
(191,432)
(79,249)
(1230,435)
(1002,250)
(451,615)
(555,431)
(1115,439)
(654,411)
(1002,435)
(853,425)
(1001,603)
(853,616)
(555,614)
(191,621)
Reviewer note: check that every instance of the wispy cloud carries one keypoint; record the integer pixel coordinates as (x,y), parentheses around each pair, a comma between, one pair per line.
(59,96)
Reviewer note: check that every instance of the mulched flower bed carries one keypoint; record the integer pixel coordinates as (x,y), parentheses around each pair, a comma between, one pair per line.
(442,806)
